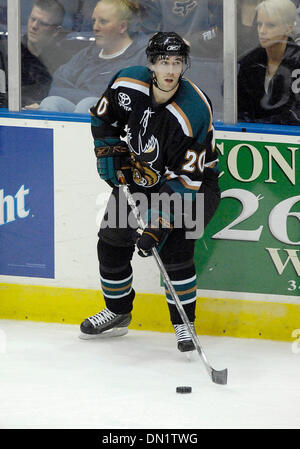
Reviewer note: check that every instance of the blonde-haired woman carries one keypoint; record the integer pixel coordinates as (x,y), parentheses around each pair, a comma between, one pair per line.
(267,79)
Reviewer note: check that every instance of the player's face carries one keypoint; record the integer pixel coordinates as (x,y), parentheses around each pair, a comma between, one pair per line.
(168,70)
(41,25)
(108,27)
(270,30)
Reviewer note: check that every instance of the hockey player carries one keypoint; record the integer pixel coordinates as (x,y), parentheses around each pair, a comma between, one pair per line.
(171,150)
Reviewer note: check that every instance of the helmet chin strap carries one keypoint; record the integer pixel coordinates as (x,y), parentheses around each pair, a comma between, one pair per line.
(155,82)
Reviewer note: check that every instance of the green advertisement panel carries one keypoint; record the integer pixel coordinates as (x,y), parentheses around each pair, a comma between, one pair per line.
(253,242)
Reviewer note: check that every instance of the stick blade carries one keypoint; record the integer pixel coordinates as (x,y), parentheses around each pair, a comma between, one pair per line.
(219,377)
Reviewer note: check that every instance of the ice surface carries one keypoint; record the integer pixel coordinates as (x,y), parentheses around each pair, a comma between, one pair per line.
(51,379)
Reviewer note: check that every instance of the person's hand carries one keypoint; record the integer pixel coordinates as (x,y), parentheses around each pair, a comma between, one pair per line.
(110,160)
(32,106)
(153,237)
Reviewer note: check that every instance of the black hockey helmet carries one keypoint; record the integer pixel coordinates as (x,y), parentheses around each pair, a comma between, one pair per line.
(167,43)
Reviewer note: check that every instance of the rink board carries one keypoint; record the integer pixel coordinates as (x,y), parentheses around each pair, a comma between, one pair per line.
(215,316)
(248,261)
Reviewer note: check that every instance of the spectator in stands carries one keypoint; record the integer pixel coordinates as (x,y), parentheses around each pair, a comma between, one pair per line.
(39,55)
(43,33)
(297,26)
(199,22)
(268,86)
(209,44)
(185,16)
(247,38)
(78,83)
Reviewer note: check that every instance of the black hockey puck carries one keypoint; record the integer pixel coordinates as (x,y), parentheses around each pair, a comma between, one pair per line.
(183,389)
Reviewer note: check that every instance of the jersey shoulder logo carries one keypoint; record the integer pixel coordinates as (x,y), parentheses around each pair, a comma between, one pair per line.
(124,101)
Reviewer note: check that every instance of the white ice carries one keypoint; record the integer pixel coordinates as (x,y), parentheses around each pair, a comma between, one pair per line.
(51,379)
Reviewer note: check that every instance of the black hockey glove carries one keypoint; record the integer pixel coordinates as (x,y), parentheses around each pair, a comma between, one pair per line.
(154,236)
(112,158)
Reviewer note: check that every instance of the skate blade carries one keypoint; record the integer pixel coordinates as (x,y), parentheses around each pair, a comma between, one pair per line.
(114,332)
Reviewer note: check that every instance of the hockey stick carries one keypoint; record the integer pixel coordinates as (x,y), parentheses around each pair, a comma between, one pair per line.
(218,377)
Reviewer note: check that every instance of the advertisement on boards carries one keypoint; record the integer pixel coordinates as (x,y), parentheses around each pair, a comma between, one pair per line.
(26,202)
(253,242)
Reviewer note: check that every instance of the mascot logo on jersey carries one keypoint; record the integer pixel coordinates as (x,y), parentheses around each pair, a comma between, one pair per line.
(144,174)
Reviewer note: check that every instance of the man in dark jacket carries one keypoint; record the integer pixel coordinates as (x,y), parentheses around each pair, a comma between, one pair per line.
(38,51)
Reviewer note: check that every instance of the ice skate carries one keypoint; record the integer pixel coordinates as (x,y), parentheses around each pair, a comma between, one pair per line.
(184,341)
(105,324)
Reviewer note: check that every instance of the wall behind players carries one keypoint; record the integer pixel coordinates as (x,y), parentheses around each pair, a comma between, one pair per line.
(50,213)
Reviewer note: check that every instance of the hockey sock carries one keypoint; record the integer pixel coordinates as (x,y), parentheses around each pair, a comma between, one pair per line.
(118,293)
(184,283)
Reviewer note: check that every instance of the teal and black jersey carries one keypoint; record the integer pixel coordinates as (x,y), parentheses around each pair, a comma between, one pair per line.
(171,143)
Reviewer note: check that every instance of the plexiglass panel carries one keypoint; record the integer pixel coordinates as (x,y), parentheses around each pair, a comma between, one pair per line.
(201,24)
(71,49)
(269,62)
